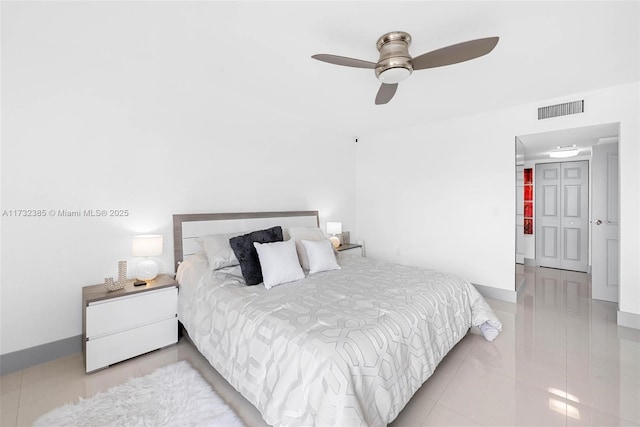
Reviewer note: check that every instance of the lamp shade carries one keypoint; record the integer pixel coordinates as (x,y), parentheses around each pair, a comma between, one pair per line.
(147,245)
(334,227)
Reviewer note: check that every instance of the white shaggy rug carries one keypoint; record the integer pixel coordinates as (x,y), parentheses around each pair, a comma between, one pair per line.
(175,395)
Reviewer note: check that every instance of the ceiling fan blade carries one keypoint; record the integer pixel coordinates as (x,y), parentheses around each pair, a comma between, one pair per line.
(343,60)
(385,93)
(455,53)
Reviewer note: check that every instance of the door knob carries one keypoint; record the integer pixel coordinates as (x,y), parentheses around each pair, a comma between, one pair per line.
(598,221)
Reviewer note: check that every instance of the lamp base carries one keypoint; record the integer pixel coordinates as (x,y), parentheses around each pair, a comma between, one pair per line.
(146,270)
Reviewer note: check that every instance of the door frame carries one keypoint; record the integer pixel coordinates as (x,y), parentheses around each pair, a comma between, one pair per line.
(520,158)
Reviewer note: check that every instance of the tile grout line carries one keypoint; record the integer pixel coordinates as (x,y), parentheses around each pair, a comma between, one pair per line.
(457,412)
(437,400)
(456,370)
(566,362)
(19,397)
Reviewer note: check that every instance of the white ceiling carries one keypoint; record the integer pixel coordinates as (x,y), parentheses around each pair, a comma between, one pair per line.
(538,146)
(547,50)
(253,59)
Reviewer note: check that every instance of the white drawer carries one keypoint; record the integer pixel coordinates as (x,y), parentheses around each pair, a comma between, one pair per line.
(131,311)
(102,352)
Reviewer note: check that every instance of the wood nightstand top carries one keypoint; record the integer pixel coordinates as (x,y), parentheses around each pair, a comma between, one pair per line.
(95,293)
(348,246)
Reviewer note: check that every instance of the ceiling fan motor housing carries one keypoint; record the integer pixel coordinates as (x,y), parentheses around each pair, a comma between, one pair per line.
(394,64)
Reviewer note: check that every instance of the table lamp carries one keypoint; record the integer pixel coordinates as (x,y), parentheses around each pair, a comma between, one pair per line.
(146,246)
(334,228)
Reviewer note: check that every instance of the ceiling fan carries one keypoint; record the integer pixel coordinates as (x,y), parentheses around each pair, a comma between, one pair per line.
(395,63)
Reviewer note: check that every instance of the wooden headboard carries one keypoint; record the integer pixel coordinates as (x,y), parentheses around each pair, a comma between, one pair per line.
(187,227)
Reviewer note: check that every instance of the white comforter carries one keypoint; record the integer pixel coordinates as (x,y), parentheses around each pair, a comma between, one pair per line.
(345,347)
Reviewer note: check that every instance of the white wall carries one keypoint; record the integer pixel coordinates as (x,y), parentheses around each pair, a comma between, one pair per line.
(125,117)
(443,194)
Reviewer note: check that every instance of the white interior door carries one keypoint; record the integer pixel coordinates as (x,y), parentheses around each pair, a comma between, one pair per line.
(604,226)
(575,216)
(547,218)
(562,215)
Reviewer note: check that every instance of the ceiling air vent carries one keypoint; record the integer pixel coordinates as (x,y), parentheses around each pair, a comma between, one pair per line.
(557,110)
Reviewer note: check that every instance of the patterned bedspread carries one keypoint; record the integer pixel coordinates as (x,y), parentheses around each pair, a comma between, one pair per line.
(341,348)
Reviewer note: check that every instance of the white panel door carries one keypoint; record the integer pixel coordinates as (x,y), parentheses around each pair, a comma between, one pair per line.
(562,209)
(574,224)
(548,214)
(604,226)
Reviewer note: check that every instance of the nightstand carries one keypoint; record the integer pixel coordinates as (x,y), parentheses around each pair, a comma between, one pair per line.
(128,322)
(350,249)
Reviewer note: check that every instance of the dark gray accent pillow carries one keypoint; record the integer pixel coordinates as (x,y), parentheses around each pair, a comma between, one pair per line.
(248,256)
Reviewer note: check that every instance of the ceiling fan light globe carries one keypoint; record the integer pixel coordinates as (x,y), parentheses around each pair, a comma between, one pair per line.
(394,75)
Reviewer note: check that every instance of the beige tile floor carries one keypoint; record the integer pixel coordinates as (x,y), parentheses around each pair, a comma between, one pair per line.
(561,360)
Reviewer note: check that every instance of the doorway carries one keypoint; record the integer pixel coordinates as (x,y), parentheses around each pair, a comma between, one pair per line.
(533,247)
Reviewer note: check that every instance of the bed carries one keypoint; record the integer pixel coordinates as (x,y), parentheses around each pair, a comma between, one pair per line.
(342,347)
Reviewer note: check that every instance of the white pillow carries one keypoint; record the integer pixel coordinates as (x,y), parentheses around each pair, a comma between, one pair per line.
(305,233)
(279,263)
(218,250)
(321,256)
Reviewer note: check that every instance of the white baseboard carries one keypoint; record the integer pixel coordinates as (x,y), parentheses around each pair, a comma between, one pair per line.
(495,293)
(630,320)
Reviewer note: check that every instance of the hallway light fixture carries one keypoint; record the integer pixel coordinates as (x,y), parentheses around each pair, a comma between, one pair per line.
(564,151)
